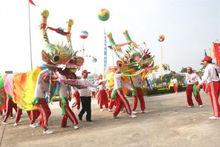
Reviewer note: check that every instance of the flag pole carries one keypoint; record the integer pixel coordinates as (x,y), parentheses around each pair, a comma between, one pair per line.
(30,39)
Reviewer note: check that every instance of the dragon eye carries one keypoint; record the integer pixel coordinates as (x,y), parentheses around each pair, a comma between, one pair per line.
(56,58)
(119,63)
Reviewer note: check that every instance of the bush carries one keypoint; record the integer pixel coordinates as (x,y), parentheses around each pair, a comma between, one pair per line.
(158,91)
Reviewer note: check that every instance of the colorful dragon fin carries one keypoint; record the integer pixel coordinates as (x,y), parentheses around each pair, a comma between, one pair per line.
(127,36)
(129,40)
(69,27)
(43,25)
(111,40)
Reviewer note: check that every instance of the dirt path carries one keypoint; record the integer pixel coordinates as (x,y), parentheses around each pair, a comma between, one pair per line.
(167,123)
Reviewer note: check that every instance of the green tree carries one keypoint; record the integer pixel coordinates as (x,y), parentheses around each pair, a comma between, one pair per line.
(183,70)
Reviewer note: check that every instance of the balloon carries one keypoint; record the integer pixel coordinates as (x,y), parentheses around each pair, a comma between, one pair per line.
(161,38)
(104,15)
(83,34)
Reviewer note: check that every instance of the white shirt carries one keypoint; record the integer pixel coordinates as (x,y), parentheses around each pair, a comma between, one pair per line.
(137,81)
(192,78)
(210,74)
(86,92)
(101,84)
(175,81)
(118,83)
(42,87)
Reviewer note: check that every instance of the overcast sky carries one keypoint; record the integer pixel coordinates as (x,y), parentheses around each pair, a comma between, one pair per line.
(190,26)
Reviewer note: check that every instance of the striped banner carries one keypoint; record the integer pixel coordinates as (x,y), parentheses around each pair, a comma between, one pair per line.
(105,51)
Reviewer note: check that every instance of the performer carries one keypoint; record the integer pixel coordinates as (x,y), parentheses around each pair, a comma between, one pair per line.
(110,86)
(192,80)
(112,102)
(2,99)
(64,104)
(174,84)
(211,77)
(85,96)
(120,98)
(138,94)
(8,84)
(102,95)
(42,88)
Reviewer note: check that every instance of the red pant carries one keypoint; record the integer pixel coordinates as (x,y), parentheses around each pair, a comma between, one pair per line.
(45,112)
(139,95)
(18,115)
(189,91)
(33,115)
(68,114)
(121,101)
(175,88)
(102,98)
(111,103)
(213,90)
(9,106)
(77,100)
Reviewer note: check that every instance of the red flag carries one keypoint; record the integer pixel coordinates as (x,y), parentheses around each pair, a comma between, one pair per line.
(31,1)
(216,51)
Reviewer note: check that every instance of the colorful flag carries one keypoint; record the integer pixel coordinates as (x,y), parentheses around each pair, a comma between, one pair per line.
(23,89)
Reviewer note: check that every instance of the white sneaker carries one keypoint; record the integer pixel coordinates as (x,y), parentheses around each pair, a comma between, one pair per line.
(101,110)
(15,124)
(32,126)
(76,127)
(189,106)
(134,112)
(115,117)
(214,117)
(200,106)
(132,116)
(47,132)
(4,123)
(37,124)
(143,111)
(109,110)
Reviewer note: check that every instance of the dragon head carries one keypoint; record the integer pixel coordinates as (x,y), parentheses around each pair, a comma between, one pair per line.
(56,54)
(133,59)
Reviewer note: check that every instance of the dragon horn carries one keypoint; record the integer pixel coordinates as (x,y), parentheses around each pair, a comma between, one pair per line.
(111,40)
(69,27)
(128,39)
(43,25)
(127,36)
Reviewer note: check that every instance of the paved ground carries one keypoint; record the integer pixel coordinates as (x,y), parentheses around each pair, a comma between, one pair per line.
(167,123)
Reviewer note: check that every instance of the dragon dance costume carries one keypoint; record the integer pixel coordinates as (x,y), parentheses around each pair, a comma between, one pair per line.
(133,61)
